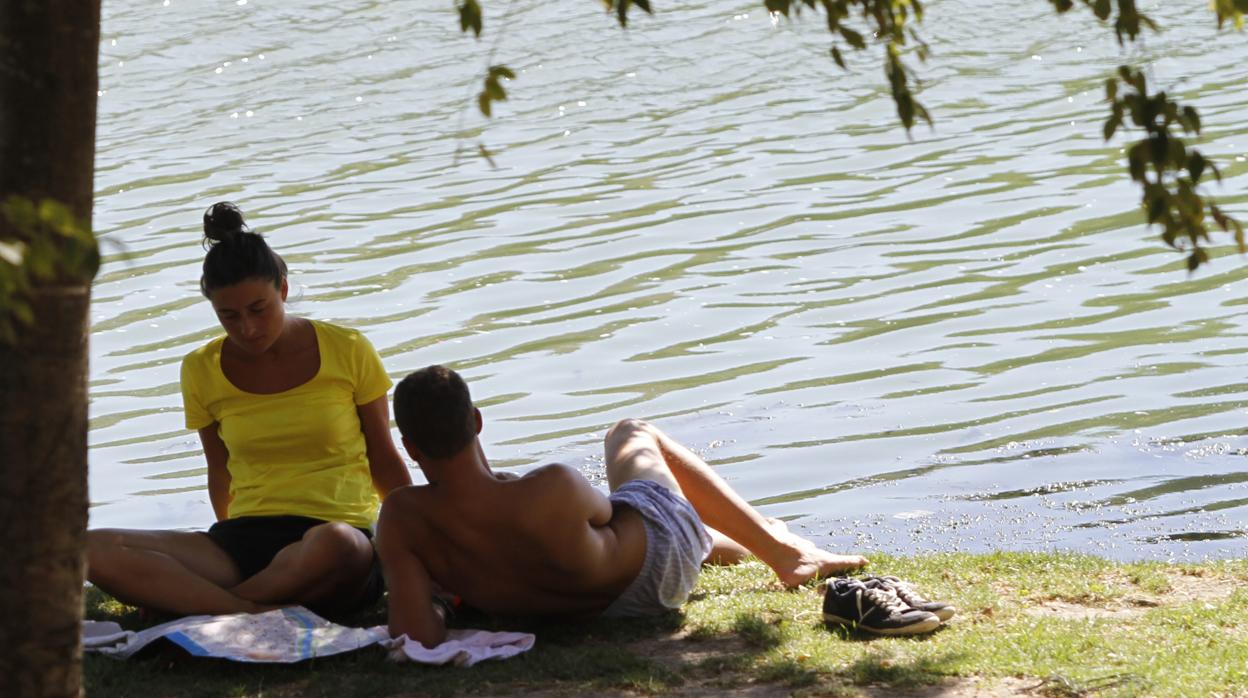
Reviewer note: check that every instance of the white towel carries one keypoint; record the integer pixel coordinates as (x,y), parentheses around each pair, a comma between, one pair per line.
(462,647)
(292,635)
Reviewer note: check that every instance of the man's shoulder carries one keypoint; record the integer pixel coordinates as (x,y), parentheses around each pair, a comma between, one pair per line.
(410,494)
(555,473)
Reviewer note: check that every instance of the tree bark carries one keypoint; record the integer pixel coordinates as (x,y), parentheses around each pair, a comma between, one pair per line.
(48,88)
(43,504)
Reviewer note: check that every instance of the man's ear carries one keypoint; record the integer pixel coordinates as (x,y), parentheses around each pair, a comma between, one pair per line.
(285,289)
(476,413)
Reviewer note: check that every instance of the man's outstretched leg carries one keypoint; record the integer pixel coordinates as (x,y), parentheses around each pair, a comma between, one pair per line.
(637,450)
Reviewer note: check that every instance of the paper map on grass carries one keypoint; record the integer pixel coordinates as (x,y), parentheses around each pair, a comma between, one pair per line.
(292,635)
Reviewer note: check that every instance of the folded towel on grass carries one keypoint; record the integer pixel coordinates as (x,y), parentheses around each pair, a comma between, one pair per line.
(294,634)
(462,647)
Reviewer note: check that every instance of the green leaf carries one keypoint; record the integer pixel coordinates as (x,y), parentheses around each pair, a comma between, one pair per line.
(483,103)
(1111,89)
(495,91)
(1195,165)
(1101,9)
(781,6)
(1112,124)
(1159,148)
(470,16)
(1195,258)
(1193,119)
(1135,161)
(905,109)
(836,56)
(501,71)
(1219,217)
(923,113)
(1157,207)
(1176,153)
(853,38)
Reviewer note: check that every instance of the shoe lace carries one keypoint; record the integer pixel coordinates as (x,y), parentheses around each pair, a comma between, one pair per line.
(908,594)
(886,600)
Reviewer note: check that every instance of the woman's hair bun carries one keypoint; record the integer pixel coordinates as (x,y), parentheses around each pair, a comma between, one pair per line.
(223,221)
(235,252)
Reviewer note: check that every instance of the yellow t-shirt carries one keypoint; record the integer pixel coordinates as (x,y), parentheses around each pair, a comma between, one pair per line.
(299,452)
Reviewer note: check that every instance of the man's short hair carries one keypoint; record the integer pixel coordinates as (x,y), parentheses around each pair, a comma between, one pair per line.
(434,411)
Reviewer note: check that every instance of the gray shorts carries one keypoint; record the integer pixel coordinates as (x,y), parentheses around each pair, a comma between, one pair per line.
(676,545)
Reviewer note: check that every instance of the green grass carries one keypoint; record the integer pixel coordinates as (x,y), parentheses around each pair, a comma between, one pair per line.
(1163,630)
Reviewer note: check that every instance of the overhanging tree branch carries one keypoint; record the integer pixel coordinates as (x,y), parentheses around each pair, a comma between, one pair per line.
(1168,170)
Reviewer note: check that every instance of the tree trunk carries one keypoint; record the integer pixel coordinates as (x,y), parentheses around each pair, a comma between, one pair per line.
(48,84)
(43,506)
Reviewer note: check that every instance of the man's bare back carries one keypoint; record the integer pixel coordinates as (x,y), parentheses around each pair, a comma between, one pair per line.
(549,543)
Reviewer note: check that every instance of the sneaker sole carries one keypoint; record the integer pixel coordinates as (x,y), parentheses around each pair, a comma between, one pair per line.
(923,626)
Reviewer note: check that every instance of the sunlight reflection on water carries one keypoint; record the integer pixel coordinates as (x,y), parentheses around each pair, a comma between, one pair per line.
(704,222)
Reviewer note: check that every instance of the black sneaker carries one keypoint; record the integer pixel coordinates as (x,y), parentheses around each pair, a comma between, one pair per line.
(874,610)
(913,599)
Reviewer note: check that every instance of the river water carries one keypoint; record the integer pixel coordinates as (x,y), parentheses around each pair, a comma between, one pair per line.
(964,339)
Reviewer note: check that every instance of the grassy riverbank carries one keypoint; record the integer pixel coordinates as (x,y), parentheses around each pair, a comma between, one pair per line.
(1028,624)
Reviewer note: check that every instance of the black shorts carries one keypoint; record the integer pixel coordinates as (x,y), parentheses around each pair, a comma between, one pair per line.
(253,541)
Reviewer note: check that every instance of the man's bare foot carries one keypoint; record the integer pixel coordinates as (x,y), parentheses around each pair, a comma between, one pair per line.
(800,561)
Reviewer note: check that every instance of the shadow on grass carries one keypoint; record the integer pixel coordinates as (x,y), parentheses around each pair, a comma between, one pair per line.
(646,656)
(572,657)
(882,668)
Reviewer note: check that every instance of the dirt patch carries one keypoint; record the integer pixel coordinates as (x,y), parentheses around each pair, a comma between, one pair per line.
(677,651)
(1200,587)
(974,687)
(752,691)
(1184,588)
(1073,611)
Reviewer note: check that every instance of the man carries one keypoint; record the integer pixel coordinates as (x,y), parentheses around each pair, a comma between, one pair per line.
(548,543)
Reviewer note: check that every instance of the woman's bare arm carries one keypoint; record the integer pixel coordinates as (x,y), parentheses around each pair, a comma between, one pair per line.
(218,456)
(384,462)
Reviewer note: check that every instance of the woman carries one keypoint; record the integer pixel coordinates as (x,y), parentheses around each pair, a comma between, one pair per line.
(294,423)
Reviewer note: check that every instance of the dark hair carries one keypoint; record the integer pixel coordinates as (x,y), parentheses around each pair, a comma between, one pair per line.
(235,253)
(434,411)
